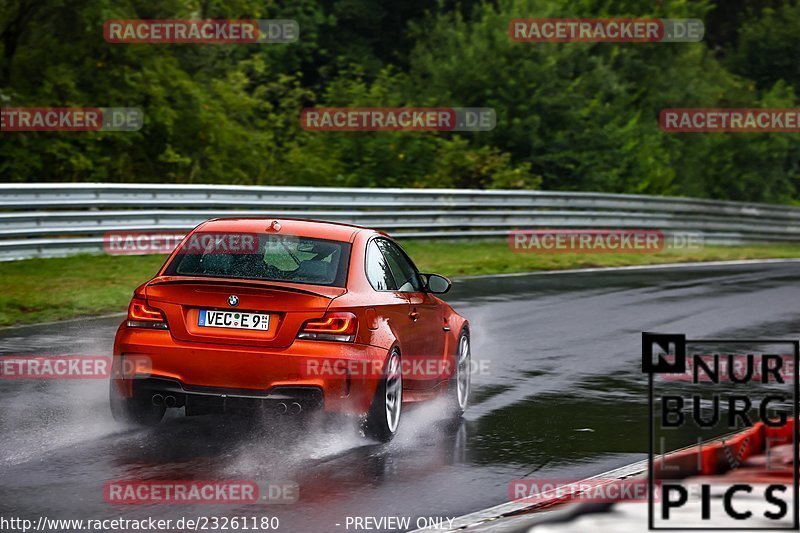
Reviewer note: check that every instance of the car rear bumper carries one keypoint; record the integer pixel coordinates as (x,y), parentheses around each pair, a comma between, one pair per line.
(201,400)
(309,372)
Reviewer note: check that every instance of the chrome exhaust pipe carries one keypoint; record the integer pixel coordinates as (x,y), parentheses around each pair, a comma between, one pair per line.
(281,408)
(170,401)
(157,400)
(296,408)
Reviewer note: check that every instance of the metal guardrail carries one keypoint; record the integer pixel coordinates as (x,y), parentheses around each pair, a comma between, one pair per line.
(48,220)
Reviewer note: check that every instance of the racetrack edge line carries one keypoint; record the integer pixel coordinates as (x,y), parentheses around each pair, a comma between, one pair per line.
(666,266)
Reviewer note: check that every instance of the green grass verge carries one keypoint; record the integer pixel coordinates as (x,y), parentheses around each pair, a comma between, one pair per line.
(42,290)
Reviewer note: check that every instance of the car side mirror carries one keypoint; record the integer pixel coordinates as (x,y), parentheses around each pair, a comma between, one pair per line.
(437,284)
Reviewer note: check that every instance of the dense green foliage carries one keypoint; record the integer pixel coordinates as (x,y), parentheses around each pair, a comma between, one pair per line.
(573,116)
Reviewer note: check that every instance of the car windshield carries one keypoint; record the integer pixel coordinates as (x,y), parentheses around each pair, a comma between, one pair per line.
(263,257)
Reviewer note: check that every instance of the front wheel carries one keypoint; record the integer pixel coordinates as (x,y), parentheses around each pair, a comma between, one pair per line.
(384,415)
(459,386)
(137,410)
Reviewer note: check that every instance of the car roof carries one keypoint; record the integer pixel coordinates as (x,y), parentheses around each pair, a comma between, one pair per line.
(319,229)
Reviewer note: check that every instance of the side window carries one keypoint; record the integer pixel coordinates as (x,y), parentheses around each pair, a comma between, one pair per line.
(403,271)
(378,273)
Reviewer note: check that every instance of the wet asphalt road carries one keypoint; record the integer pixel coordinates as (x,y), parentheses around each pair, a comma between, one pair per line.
(559,395)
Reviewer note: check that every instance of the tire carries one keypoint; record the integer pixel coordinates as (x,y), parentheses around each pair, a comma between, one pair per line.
(137,411)
(383,419)
(459,386)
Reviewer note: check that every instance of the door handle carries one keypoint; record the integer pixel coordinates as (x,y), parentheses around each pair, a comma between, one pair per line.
(413,315)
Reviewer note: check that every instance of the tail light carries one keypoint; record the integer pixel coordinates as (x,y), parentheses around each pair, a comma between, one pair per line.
(141,315)
(339,326)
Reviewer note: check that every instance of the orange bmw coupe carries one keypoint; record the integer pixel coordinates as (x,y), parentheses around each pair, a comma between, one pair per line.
(290,316)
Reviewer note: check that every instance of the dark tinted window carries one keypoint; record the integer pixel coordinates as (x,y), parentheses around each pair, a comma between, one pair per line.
(272,258)
(403,271)
(378,272)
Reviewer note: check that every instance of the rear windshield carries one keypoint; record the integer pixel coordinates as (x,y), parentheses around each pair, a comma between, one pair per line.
(262,257)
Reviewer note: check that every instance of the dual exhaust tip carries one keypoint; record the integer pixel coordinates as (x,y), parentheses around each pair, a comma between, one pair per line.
(282,408)
(293,408)
(159,400)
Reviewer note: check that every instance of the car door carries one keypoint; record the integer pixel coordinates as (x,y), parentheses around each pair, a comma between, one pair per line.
(424,357)
(389,304)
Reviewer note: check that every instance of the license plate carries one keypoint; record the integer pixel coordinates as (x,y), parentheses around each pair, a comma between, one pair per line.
(232,319)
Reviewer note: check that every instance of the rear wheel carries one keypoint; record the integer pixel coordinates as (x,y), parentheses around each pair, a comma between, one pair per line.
(137,410)
(384,415)
(459,386)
